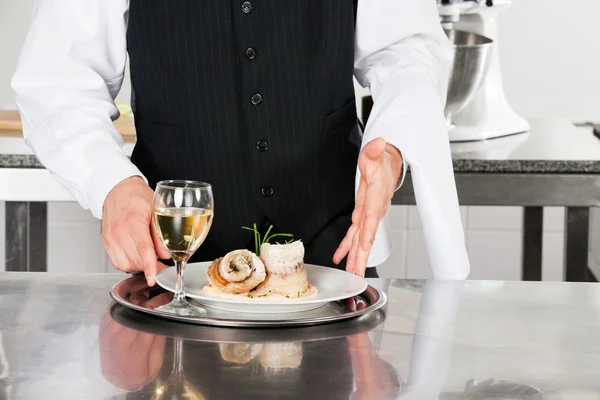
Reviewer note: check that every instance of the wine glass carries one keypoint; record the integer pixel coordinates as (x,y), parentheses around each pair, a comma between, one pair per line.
(183,214)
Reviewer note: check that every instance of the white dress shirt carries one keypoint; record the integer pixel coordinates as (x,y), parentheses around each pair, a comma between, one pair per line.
(72,67)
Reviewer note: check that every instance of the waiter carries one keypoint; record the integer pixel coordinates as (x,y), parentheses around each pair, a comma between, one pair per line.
(257,98)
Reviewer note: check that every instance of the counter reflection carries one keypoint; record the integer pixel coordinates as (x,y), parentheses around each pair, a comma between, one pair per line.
(432,352)
(156,359)
(152,358)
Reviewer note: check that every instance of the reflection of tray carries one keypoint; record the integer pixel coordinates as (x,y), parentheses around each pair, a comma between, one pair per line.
(133,293)
(148,324)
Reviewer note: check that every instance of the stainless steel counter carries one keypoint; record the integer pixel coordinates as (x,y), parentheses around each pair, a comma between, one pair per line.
(62,338)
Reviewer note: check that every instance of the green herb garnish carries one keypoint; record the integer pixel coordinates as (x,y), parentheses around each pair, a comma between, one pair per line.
(298,293)
(260,240)
(287,296)
(249,295)
(263,295)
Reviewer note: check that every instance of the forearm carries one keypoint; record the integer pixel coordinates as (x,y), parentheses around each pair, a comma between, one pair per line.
(407,71)
(70,69)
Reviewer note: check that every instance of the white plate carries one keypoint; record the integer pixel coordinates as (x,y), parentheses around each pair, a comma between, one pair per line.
(332,284)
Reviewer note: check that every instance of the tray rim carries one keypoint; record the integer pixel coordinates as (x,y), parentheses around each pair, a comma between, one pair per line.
(379,296)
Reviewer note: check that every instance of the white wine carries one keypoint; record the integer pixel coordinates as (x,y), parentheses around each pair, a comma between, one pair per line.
(182,230)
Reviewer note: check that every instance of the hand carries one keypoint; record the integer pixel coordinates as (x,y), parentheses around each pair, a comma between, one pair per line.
(380,166)
(129,359)
(128,231)
(373,379)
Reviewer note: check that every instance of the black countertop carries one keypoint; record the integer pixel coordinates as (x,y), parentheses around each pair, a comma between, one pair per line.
(553,146)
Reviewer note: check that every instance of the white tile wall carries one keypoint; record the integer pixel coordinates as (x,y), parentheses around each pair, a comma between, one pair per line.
(495,218)
(494,242)
(552,256)
(69,212)
(398,217)
(495,254)
(75,247)
(73,232)
(554,219)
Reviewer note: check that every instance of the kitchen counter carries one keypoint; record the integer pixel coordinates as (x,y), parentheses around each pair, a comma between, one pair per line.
(11,126)
(552,146)
(61,337)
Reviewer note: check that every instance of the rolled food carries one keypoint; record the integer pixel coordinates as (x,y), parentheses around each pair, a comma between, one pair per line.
(240,271)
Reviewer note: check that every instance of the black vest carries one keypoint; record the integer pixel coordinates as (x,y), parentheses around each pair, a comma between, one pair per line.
(255,97)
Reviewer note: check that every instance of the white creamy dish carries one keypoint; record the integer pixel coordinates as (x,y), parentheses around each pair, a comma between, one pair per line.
(277,275)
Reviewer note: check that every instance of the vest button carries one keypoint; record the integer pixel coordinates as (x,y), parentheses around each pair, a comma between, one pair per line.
(256,99)
(246,7)
(267,191)
(250,53)
(262,145)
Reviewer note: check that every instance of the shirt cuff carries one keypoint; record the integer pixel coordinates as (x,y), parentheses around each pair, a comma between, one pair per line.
(403,176)
(112,169)
(404,165)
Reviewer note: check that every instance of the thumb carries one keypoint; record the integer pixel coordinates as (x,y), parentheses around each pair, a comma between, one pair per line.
(375,148)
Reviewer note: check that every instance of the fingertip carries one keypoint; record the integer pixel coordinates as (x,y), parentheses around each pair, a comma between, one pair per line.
(151,276)
(337,257)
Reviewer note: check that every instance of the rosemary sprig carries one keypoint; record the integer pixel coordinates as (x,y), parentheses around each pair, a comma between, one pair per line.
(260,240)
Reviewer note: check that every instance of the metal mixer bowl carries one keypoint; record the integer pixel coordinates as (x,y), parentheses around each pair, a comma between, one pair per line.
(472,53)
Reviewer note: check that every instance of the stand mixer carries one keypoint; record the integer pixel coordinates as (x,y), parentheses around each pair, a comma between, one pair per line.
(486,114)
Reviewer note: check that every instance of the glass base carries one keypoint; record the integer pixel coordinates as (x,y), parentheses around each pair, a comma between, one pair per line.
(183,308)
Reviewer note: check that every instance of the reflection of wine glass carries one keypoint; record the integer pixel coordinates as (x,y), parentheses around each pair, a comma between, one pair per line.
(183,212)
(177,386)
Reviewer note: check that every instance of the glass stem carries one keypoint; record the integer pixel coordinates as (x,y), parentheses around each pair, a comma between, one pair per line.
(179,291)
(178,356)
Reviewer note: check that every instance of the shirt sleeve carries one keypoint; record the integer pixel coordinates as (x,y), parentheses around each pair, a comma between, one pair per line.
(70,70)
(404,56)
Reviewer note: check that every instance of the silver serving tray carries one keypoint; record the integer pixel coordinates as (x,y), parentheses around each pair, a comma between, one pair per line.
(135,294)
